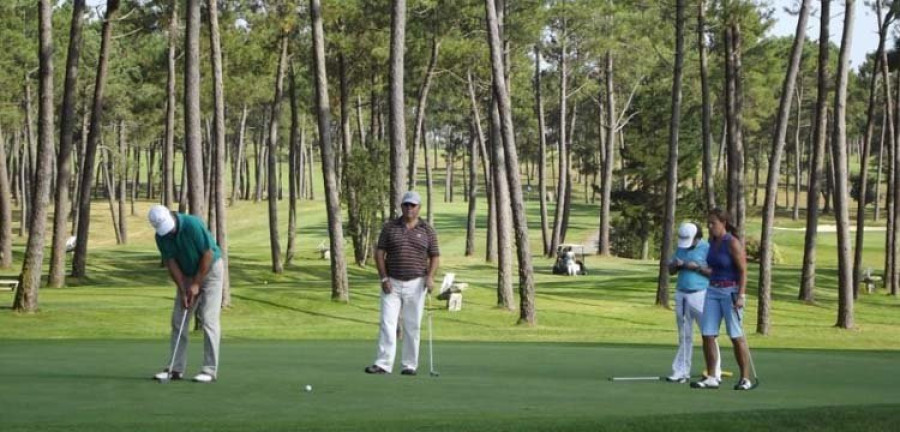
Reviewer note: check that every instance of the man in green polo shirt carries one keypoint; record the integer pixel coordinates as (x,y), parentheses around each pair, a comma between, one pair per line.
(192,258)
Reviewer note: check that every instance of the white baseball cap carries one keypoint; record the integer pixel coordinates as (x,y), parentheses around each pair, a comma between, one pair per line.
(411,197)
(161,219)
(686,233)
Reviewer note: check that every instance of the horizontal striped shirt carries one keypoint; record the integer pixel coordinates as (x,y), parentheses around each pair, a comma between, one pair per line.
(407,249)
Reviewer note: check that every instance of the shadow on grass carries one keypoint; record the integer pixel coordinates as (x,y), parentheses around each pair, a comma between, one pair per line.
(298,310)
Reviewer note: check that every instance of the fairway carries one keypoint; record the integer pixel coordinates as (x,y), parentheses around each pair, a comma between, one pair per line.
(91,385)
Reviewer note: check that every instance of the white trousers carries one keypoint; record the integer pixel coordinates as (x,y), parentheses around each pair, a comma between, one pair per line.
(688,309)
(406,300)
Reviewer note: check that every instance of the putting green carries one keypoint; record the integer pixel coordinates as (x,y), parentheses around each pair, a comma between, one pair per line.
(94,385)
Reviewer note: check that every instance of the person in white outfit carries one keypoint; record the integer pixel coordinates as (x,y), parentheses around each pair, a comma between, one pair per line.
(407,257)
(689,263)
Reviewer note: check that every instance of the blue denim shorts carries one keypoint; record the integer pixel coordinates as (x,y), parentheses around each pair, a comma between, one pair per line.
(720,304)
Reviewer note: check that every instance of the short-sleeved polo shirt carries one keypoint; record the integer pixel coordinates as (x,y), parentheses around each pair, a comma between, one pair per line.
(187,244)
(693,280)
(407,249)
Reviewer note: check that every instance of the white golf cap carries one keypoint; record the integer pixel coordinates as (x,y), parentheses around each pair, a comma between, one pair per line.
(411,197)
(161,219)
(686,233)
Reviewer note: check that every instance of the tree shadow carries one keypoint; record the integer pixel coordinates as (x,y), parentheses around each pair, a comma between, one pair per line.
(298,310)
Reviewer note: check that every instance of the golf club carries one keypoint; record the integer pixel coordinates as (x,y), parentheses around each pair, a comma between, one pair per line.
(755,383)
(638,378)
(431,370)
(175,350)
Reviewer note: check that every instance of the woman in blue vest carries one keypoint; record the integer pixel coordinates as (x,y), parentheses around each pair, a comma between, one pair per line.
(725,297)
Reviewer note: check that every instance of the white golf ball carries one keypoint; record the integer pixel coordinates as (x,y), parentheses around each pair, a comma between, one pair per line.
(308,388)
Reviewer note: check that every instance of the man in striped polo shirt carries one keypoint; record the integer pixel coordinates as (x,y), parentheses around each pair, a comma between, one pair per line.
(407,258)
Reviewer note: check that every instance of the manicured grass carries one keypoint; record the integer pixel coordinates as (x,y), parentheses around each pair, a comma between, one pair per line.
(96,385)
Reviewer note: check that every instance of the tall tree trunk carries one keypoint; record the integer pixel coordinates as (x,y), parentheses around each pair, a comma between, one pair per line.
(346,138)
(67,120)
(339,288)
(221,222)
(28,157)
(24,195)
(397,110)
(274,244)
(106,168)
(609,157)
(472,191)
(32,145)
(562,181)
(891,167)
(784,112)
(491,235)
(193,141)
(798,150)
(259,153)
(864,167)
(5,209)
(169,147)
(503,214)
(79,260)
(120,176)
(841,195)
(239,156)
(294,144)
(808,276)
(542,150)
(526,274)
(706,127)
(420,111)
(27,293)
(82,144)
(135,179)
(895,200)
(429,182)
(737,148)
(876,215)
(360,121)
(662,291)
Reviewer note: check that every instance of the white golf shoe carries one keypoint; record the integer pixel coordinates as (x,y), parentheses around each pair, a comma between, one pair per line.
(743,384)
(204,377)
(164,375)
(677,379)
(706,383)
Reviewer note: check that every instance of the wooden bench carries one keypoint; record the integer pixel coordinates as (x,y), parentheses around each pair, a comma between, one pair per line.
(10,284)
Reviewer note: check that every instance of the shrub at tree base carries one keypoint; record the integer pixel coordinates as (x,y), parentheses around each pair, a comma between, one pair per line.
(753,251)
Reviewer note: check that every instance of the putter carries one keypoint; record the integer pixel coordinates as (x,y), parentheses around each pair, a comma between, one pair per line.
(175,350)
(638,378)
(755,383)
(431,370)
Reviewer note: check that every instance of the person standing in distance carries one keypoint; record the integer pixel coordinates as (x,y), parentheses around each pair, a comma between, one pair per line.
(725,297)
(407,257)
(689,263)
(193,259)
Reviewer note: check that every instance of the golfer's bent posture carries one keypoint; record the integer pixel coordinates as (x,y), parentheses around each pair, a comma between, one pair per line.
(693,279)
(725,297)
(192,257)
(407,257)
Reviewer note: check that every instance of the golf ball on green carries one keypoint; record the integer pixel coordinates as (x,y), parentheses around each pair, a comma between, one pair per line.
(308,388)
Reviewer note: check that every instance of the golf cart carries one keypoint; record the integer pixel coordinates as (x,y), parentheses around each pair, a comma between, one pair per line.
(569,254)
